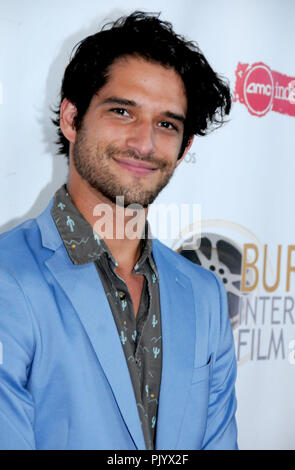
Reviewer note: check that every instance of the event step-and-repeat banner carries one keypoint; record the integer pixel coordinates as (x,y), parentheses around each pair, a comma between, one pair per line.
(238,180)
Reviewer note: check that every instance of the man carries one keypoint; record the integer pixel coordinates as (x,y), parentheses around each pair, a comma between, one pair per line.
(111,341)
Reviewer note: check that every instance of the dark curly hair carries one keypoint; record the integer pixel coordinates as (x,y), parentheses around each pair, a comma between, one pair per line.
(145,35)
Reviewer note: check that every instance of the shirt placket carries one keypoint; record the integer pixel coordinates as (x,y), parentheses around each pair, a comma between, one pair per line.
(148,352)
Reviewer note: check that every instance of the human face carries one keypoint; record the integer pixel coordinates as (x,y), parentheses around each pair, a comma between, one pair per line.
(132,132)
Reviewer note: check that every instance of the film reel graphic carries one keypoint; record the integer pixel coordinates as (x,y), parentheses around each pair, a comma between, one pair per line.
(223,257)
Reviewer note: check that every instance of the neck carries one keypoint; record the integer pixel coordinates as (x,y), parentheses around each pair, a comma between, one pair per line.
(114,224)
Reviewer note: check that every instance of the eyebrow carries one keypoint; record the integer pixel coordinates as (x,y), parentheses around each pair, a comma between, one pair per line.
(177,117)
(124,102)
(116,100)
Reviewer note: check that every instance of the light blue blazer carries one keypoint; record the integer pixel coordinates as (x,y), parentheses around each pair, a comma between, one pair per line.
(64,381)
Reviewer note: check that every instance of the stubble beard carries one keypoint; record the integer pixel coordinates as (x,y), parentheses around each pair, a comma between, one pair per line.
(93,165)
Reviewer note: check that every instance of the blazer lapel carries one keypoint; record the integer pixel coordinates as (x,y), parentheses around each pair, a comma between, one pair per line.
(83,287)
(178,344)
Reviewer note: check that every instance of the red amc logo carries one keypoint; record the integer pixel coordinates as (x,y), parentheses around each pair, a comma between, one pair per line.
(259,90)
(262,90)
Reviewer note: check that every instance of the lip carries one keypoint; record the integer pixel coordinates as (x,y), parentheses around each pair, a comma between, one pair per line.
(136,166)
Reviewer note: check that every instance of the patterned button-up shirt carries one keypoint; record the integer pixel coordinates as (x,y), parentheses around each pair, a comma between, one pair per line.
(140,334)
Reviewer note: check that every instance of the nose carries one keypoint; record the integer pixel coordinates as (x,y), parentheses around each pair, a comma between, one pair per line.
(141,138)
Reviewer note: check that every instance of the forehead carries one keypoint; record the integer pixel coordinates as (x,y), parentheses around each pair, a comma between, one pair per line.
(146,83)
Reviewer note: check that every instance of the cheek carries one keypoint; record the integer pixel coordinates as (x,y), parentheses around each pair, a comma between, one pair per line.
(172,141)
(169,149)
(106,135)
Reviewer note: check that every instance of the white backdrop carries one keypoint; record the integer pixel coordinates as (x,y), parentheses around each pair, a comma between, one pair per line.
(242,175)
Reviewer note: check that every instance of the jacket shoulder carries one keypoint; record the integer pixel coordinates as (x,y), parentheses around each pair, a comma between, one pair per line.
(25,242)
(14,241)
(21,248)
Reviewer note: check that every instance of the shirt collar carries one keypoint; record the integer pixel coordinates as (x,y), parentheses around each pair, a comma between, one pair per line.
(82,243)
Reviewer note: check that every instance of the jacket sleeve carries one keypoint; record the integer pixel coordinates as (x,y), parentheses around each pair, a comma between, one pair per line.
(221,431)
(16,353)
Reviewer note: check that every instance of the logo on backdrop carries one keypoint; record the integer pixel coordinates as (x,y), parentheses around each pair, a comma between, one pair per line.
(262,90)
(259,281)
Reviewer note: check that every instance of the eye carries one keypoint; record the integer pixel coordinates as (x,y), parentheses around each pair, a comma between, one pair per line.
(120,111)
(168,125)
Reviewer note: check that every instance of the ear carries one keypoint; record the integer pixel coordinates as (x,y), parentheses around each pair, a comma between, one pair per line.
(189,144)
(67,114)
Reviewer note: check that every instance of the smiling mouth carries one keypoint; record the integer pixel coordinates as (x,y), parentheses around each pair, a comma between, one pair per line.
(136,166)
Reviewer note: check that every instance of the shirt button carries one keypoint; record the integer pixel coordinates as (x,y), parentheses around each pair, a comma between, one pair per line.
(122,294)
